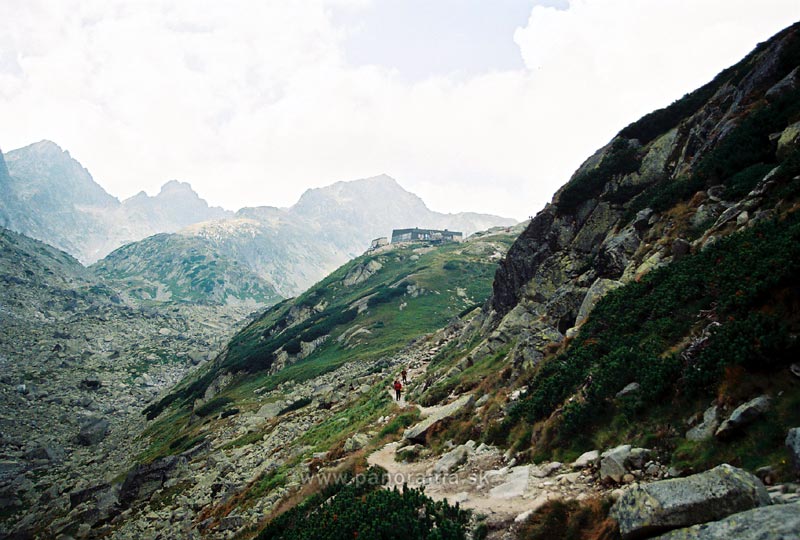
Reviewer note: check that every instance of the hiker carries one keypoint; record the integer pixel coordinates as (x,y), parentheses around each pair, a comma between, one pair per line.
(404,374)
(398,388)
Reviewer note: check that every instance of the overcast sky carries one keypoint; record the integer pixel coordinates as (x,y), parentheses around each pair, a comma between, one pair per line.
(484,105)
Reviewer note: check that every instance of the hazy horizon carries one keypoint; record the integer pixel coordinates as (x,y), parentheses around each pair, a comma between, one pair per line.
(472,107)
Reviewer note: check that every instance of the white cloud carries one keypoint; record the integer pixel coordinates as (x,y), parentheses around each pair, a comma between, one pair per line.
(253,102)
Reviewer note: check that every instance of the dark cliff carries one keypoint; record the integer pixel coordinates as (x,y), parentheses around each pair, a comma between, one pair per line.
(702,140)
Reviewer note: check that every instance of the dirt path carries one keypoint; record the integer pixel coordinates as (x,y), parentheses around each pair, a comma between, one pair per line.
(485,483)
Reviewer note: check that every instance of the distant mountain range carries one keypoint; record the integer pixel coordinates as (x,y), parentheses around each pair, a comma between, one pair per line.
(49,196)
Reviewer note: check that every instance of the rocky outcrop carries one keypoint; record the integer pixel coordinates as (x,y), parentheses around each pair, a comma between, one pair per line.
(598,290)
(742,416)
(451,460)
(417,432)
(362,272)
(776,522)
(144,480)
(681,502)
(93,430)
(587,235)
(705,430)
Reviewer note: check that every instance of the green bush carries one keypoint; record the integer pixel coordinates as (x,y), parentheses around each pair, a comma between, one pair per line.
(399,422)
(622,158)
(296,405)
(212,406)
(363,510)
(625,338)
(385,294)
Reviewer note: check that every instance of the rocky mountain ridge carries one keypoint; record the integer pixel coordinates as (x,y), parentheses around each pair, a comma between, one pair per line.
(49,196)
(178,268)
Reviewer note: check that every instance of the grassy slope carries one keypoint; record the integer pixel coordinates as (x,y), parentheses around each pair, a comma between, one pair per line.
(187,269)
(444,281)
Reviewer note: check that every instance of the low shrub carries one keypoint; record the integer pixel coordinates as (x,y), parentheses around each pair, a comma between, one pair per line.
(212,406)
(363,510)
(295,405)
(626,337)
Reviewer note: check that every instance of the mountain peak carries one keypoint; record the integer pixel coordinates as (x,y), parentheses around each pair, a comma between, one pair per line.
(47,147)
(176,186)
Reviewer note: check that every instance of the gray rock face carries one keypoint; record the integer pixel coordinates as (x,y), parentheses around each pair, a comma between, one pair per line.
(629,389)
(612,464)
(598,290)
(742,416)
(683,502)
(417,432)
(144,480)
(776,522)
(359,274)
(93,430)
(586,459)
(515,484)
(451,460)
(356,442)
(680,248)
(705,429)
(49,452)
(793,444)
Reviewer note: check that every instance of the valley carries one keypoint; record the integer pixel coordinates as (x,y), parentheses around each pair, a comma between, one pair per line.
(622,366)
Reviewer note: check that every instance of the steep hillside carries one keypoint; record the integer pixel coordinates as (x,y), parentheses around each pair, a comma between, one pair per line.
(180,268)
(77,365)
(689,217)
(369,308)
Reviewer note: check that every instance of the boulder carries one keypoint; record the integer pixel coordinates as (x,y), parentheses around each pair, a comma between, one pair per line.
(682,502)
(776,522)
(49,452)
(793,444)
(629,389)
(586,459)
(91,383)
(789,140)
(10,468)
(680,248)
(795,369)
(270,410)
(356,442)
(637,458)
(418,432)
(705,429)
(451,460)
(742,416)
(598,290)
(144,480)
(545,469)
(515,484)
(93,430)
(612,463)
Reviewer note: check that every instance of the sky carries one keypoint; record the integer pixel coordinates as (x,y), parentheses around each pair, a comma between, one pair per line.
(474,105)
